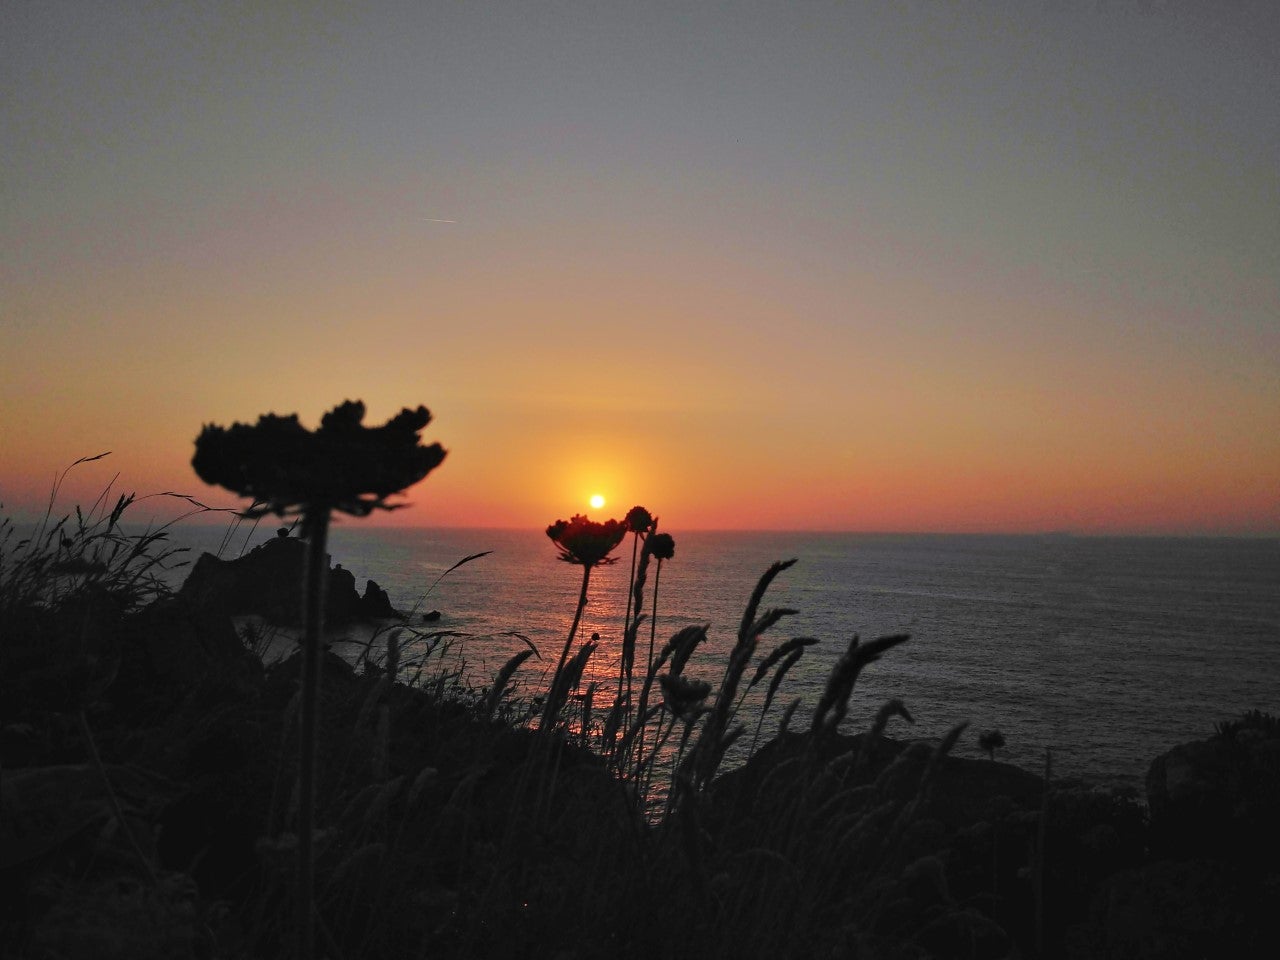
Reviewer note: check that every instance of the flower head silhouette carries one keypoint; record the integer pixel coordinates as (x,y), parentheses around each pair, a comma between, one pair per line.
(343,465)
(587,542)
(639,520)
(662,546)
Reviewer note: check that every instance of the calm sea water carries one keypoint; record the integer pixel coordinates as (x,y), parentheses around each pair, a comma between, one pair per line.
(1107,650)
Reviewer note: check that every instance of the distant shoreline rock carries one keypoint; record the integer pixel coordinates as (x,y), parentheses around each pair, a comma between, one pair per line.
(267,582)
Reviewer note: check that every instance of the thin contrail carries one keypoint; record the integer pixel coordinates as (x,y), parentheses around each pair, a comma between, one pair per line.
(438,220)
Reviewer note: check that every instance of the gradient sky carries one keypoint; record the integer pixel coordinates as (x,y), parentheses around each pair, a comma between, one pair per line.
(921,266)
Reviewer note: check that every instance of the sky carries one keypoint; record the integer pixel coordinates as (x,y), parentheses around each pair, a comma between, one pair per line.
(982,267)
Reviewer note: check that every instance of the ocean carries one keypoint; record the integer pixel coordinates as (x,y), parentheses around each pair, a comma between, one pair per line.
(1106,651)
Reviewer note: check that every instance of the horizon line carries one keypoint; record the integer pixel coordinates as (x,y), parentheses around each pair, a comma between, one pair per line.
(818,531)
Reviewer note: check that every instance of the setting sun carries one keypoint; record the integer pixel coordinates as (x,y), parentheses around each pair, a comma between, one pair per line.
(596,501)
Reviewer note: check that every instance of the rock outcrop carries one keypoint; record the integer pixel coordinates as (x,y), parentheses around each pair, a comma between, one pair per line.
(1210,883)
(1217,797)
(267,582)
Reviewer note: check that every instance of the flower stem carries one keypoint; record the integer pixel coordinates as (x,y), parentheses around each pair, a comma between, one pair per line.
(653,619)
(624,667)
(653,633)
(316,525)
(552,707)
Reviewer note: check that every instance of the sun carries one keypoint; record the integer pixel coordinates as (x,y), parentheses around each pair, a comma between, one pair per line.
(596,501)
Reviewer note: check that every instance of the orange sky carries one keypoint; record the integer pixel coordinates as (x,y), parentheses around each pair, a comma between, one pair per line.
(837,269)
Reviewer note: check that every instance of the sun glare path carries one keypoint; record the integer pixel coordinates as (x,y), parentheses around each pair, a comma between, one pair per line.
(596,501)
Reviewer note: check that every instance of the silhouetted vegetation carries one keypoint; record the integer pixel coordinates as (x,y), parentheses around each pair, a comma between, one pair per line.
(1250,723)
(990,741)
(158,803)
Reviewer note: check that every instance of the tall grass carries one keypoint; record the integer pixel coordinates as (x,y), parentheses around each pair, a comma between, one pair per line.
(88,551)
(65,588)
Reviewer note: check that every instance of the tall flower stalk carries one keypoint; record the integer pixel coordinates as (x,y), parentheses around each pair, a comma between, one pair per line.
(640,522)
(288,470)
(588,544)
(660,546)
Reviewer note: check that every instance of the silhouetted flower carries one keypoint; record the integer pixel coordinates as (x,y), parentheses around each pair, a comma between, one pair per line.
(343,465)
(662,546)
(639,519)
(586,542)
